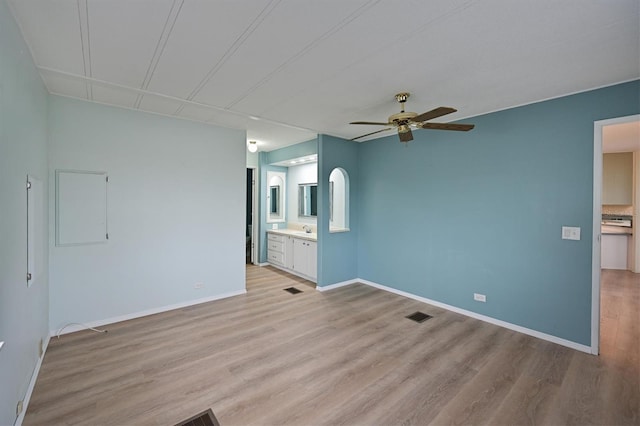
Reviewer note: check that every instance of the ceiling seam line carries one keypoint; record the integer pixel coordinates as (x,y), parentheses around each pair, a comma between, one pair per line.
(231,51)
(158,43)
(84,62)
(140,96)
(157,53)
(235,46)
(336,28)
(409,35)
(86,11)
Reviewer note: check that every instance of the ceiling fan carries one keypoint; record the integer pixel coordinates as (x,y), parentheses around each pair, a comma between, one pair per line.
(405,121)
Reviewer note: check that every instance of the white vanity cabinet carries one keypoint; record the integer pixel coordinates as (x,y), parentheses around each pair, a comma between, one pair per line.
(305,257)
(276,245)
(614,252)
(296,255)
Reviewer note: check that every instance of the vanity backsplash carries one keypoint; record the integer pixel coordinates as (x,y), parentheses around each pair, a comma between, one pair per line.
(617,210)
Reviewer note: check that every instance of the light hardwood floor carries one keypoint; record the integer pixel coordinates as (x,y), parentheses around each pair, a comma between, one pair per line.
(343,357)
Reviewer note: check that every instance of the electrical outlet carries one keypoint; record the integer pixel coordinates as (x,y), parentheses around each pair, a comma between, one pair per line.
(198,285)
(479,297)
(19,408)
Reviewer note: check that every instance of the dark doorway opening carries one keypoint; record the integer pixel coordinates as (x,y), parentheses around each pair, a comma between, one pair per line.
(249,220)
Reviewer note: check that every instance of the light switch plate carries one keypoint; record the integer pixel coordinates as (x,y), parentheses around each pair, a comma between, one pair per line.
(571,233)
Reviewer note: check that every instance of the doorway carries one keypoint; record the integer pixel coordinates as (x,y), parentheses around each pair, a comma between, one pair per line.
(634,245)
(250,230)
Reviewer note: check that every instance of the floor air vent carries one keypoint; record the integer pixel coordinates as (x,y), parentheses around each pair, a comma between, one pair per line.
(419,316)
(293,290)
(206,418)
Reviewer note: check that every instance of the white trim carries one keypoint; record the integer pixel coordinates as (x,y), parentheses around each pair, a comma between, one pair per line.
(72,328)
(478,114)
(255,217)
(508,325)
(112,85)
(596,237)
(597,218)
(32,383)
(337,285)
(263,264)
(292,272)
(544,336)
(550,98)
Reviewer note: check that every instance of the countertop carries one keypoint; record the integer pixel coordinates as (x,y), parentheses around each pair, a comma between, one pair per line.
(615,230)
(295,233)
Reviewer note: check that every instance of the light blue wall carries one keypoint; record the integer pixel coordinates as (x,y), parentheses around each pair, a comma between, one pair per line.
(23,150)
(176,212)
(337,252)
(456,213)
(302,149)
(264,226)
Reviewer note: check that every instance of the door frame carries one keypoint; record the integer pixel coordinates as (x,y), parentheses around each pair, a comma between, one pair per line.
(597,218)
(254,215)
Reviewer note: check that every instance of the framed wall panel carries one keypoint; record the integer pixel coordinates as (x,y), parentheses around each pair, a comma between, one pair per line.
(81,207)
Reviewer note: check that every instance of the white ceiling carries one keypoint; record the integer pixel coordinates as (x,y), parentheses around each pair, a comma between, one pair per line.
(285,70)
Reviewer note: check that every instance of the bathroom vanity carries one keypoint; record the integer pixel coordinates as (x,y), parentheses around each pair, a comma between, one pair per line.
(293,251)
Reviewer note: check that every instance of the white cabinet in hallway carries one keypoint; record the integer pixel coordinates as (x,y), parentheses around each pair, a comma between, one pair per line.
(296,255)
(614,251)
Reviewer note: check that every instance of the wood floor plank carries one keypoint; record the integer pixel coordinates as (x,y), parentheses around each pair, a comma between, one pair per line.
(343,357)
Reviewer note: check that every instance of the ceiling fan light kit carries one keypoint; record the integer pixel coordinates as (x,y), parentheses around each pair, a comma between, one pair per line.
(405,121)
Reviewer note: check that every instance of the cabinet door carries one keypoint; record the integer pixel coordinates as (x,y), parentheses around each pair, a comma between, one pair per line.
(288,252)
(299,256)
(305,259)
(312,259)
(614,252)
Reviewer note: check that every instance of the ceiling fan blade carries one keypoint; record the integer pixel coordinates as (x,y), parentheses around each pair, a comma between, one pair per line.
(405,136)
(448,126)
(434,113)
(372,133)
(373,123)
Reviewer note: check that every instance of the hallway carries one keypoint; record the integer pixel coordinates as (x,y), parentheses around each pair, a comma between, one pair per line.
(620,318)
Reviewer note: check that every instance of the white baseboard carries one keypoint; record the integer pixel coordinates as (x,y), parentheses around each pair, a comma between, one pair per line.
(77,327)
(337,285)
(289,271)
(544,336)
(263,264)
(510,326)
(32,383)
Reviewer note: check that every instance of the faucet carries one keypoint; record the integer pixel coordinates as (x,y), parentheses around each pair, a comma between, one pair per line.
(307,229)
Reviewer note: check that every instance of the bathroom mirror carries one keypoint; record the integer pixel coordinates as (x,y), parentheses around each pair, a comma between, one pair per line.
(274,193)
(275,197)
(338,200)
(308,199)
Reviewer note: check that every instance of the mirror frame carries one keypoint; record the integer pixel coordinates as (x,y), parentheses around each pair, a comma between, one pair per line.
(302,187)
(276,180)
